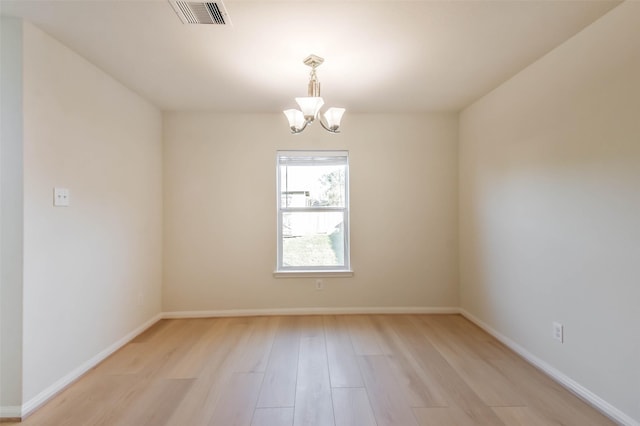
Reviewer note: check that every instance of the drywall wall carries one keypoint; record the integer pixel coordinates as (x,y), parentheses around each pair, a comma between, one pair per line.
(220,212)
(549,202)
(10,217)
(92,271)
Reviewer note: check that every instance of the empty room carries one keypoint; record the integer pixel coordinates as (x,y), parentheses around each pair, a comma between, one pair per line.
(343,213)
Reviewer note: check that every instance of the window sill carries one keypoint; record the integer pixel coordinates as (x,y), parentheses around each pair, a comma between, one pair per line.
(312,274)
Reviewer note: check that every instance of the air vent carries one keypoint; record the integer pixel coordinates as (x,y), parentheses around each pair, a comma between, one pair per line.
(201,13)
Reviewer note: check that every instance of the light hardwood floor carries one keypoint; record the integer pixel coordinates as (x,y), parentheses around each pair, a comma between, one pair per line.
(356,370)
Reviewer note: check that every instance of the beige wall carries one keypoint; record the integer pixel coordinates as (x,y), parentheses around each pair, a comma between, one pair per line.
(549,206)
(220,214)
(10,217)
(92,271)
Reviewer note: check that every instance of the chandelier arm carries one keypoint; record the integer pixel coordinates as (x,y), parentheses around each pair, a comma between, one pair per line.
(324,126)
(295,131)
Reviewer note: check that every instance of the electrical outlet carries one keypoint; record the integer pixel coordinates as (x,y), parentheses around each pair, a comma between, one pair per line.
(61,197)
(558,332)
(319,285)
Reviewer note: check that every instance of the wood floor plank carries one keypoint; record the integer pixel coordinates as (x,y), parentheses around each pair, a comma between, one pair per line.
(458,392)
(155,405)
(255,357)
(313,404)
(363,335)
(130,359)
(387,401)
(273,417)
(125,399)
(198,406)
(181,350)
(443,416)
(550,400)
(142,352)
(479,341)
(488,383)
(154,331)
(279,386)
(421,389)
(91,400)
(521,416)
(158,352)
(351,407)
(195,358)
(343,364)
(311,325)
(237,403)
(377,325)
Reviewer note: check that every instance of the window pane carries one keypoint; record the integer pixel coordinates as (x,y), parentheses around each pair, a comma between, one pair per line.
(312,186)
(312,239)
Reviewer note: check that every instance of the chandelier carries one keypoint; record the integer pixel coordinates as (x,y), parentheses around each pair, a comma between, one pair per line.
(311,104)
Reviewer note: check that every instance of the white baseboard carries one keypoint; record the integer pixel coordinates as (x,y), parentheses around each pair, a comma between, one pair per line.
(573,386)
(74,375)
(309,311)
(11,412)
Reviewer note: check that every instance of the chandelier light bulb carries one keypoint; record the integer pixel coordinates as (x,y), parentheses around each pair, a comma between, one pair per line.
(296,120)
(333,116)
(310,106)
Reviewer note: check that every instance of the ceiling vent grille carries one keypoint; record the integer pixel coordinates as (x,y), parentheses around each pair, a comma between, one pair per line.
(201,13)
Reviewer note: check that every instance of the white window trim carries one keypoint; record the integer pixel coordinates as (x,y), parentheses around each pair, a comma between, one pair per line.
(315,271)
(313,274)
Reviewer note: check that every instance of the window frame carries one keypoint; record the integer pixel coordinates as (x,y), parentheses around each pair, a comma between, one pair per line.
(328,270)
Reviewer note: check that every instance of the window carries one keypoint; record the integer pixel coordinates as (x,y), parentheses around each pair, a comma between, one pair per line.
(313,211)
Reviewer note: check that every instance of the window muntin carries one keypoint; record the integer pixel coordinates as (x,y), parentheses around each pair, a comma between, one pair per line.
(313,215)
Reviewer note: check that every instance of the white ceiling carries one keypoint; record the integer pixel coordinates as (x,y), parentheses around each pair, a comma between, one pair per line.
(380,56)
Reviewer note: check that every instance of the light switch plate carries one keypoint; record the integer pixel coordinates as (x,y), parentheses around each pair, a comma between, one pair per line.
(558,332)
(61,197)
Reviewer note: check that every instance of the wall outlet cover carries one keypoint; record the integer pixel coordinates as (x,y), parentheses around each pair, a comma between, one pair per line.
(61,197)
